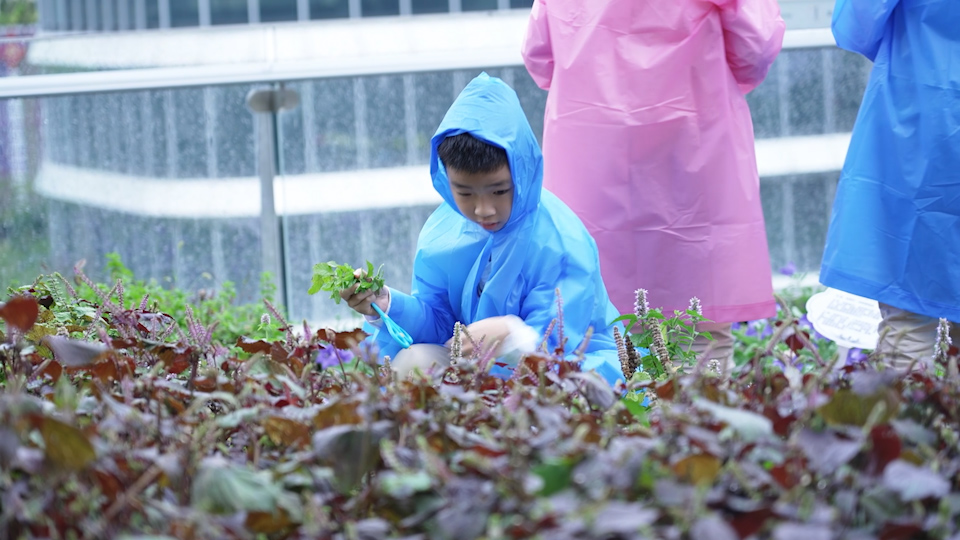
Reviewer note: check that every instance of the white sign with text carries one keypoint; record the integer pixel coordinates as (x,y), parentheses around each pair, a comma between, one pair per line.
(847,319)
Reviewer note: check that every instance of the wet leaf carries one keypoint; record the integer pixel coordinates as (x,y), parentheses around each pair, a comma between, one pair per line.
(269,522)
(352,451)
(798,531)
(253,346)
(622,518)
(342,340)
(826,451)
(237,417)
(914,483)
(749,425)
(152,323)
(340,412)
(750,523)
(403,485)
(65,445)
(75,353)
(9,443)
(909,530)
(176,359)
(596,390)
(223,488)
(284,431)
(555,474)
(885,447)
(913,432)
(699,469)
(20,312)
(713,527)
(849,408)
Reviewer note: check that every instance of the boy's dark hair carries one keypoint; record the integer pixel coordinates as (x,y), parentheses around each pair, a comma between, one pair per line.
(466,153)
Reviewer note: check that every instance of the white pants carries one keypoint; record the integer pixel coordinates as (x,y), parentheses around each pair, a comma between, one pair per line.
(422,356)
(906,336)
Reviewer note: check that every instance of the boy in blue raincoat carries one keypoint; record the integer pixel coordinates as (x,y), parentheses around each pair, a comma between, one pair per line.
(895,231)
(496,250)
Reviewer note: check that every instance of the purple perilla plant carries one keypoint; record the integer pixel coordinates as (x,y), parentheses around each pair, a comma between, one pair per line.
(622,353)
(641,307)
(943,342)
(695,306)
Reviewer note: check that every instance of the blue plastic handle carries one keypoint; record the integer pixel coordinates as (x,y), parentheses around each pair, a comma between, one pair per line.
(398,334)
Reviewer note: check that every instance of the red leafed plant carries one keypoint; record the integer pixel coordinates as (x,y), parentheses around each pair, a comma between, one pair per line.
(118,427)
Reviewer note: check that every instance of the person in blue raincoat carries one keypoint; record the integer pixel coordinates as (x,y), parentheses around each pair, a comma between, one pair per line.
(495,252)
(895,230)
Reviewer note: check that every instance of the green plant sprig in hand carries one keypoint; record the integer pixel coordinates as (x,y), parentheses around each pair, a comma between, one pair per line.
(333,277)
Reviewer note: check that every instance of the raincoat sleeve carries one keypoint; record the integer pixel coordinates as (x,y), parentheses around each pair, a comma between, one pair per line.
(537,52)
(858,25)
(426,313)
(539,307)
(753,35)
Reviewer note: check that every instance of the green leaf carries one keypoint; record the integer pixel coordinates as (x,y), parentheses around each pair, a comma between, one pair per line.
(849,408)
(404,485)
(633,403)
(749,425)
(630,317)
(66,445)
(556,475)
(223,488)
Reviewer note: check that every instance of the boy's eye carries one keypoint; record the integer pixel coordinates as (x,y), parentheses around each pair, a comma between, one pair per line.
(463,194)
(501,192)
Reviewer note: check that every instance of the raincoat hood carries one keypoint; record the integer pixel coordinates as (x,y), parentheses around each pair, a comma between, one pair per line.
(489,110)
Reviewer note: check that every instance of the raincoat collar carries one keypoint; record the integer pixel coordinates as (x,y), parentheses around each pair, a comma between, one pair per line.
(489,110)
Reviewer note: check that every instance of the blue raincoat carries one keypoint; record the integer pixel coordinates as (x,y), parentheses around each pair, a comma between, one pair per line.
(542,247)
(895,231)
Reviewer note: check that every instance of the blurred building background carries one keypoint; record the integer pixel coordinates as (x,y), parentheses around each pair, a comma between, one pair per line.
(125,127)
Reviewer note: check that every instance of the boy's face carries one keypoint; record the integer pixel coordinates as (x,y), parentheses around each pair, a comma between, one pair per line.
(486,198)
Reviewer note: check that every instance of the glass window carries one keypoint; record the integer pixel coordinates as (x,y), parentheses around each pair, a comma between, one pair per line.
(184,13)
(329,9)
(431,6)
(153,14)
(434,94)
(234,150)
(374,8)
(334,127)
(191,137)
(521,3)
(385,121)
(478,5)
(93,15)
(764,104)
(278,10)
(805,91)
(228,11)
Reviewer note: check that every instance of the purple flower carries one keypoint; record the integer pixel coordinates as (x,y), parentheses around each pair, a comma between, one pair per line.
(759,328)
(789,269)
(856,356)
(328,357)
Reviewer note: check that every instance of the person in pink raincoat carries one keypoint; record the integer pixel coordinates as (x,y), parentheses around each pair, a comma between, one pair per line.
(648,138)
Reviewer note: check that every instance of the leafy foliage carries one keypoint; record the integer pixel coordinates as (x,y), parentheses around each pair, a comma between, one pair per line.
(333,278)
(216,310)
(18,12)
(133,431)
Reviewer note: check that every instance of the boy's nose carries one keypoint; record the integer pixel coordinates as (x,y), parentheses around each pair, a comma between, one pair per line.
(485,208)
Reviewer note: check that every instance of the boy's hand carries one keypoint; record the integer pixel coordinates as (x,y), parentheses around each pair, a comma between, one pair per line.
(493,331)
(361,303)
